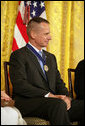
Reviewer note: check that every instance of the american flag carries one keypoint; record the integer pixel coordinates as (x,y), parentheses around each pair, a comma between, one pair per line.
(26,11)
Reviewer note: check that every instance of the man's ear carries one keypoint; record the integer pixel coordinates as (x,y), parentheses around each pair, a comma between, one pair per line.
(33,34)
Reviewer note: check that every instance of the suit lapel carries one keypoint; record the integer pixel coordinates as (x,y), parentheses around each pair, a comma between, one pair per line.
(49,73)
(35,61)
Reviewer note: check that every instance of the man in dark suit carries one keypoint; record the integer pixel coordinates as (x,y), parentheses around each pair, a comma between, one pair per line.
(37,85)
(79,80)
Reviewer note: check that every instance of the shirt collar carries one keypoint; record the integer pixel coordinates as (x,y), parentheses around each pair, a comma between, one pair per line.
(35,47)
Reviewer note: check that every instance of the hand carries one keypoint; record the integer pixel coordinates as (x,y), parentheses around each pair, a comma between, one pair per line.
(5,96)
(66,99)
(68,102)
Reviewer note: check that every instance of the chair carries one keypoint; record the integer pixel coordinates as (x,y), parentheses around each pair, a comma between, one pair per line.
(71,89)
(29,120)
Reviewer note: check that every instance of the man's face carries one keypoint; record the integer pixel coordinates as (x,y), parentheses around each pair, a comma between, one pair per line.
(42,35)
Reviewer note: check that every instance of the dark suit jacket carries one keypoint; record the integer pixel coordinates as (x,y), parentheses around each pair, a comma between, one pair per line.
(79,80)
(28,79)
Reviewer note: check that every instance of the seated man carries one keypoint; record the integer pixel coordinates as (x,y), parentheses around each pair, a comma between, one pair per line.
(79,80)
(9,114)
(38,89)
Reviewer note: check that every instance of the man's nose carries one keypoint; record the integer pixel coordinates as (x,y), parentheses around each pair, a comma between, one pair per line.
(49,37)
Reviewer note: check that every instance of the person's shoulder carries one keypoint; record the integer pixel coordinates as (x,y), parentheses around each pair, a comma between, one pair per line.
(81,63)
(19,51)
(48,53)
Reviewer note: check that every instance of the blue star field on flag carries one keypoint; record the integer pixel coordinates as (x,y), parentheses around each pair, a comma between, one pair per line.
(36,8)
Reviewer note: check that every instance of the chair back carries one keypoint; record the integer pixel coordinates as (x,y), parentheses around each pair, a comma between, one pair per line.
(70,81)
(7,83)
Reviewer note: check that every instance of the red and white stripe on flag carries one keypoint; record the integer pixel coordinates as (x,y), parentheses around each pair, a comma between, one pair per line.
(24,14)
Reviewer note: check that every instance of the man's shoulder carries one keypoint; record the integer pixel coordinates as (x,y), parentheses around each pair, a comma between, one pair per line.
(21,50)
(48,53)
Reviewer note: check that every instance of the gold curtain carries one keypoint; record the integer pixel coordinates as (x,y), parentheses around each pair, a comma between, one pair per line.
(67,30)
(8,18)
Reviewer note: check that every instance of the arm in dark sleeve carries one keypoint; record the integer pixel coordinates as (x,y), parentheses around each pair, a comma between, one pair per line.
(79,80)
(18,77)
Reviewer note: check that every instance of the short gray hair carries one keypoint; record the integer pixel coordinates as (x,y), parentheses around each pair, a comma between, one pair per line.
(32,22)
